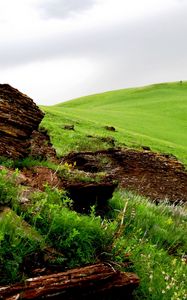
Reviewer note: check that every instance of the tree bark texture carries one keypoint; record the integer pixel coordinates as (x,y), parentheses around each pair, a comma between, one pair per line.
(99,281)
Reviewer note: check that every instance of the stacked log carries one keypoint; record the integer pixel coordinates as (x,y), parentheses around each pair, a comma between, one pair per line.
(99,281)
(19,116)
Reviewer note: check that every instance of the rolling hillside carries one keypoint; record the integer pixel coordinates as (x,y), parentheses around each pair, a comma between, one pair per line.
(154,116)
(118,207)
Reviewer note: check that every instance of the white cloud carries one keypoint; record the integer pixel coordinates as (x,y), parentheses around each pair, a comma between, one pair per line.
(62,8)
(101,44)
(45,81)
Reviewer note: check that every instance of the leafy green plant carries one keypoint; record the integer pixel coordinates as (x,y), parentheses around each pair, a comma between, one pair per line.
(6,162)
(8,188)
(80,238)
(15,244)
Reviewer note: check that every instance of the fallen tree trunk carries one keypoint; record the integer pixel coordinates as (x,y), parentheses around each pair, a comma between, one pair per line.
(99,280)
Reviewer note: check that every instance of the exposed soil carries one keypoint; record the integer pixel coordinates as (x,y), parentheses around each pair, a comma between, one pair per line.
(83,194)
(40,176)
(151,174)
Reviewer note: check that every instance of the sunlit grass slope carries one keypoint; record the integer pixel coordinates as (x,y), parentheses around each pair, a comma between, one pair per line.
(154,116)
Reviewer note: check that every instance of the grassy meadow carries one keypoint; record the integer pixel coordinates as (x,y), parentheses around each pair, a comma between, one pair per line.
(136,234)
(154,116)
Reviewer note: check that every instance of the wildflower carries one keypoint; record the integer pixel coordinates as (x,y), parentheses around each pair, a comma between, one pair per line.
(169,221)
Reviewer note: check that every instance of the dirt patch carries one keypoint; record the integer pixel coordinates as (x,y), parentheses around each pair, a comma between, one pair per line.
(40,176)
(151,174)
(84,194)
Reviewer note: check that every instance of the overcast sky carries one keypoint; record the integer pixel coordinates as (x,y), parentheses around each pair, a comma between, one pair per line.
(55,50)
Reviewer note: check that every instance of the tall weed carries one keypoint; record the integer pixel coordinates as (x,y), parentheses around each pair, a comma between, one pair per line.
(153,244)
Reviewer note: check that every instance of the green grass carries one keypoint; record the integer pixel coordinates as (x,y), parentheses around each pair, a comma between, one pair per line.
(154,115)
(8,188)
(80,238)
(17,241)
(27,163)
(49,221)
(145,238)
(153,238)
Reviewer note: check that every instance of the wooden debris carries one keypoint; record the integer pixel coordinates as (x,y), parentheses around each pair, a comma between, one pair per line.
(99,280)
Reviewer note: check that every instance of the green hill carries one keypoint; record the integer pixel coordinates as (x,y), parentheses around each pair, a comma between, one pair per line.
(154,116)
(41,232)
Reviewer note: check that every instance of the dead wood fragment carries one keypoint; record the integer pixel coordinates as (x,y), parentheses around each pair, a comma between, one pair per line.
(99,280)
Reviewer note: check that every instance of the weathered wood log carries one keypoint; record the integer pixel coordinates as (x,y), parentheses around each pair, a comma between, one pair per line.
(19,116)
(99,280)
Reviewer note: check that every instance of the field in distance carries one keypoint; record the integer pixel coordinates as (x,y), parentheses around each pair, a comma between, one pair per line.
(154,116)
